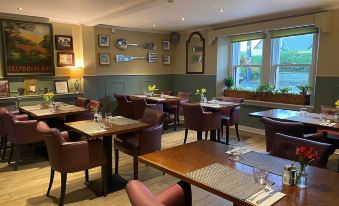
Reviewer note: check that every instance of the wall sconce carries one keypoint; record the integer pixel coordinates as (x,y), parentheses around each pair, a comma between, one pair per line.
(76,73)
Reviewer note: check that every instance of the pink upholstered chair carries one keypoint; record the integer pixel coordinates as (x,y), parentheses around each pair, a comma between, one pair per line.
(68,157)
(139,105)
(88,115)
(179,194)
(125,107)
(198,120)
(81,102)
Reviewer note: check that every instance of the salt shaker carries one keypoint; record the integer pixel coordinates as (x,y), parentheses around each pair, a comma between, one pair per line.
(287,175)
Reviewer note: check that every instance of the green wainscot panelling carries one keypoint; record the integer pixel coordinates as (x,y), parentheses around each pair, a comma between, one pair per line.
(326,91)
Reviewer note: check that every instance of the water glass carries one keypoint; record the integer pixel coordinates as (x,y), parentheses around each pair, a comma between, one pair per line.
(303,111)
(236,152)
(260,176)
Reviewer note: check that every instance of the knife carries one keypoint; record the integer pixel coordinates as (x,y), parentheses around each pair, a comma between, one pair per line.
(266,197)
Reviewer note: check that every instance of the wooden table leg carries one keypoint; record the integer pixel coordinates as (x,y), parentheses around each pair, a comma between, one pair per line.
(213,135)
(199,135)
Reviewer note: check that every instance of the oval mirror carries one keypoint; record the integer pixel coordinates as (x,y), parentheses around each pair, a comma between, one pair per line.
(195,54)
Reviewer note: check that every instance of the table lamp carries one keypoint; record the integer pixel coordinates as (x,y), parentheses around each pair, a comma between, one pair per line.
(76,73)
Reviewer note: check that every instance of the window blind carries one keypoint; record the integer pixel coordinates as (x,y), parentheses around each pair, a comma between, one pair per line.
(293,31)
(247,37)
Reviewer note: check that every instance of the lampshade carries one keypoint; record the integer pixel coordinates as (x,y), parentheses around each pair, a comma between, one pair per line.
(76,73)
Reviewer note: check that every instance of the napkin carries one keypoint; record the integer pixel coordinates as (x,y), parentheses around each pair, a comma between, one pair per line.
(328,124)
(244,151)
(268,202)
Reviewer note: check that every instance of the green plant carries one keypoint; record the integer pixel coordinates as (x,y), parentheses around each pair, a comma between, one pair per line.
(282,91)
(265,88)
(201,92)
(229,82)
(304,89)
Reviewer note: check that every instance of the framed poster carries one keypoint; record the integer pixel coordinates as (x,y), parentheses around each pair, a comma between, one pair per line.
(4,88)
(104,59)
(103,40)
(61,86)
(166,59)
(65,59)
(27,48)
(31,86)
(166,45)
(64,42)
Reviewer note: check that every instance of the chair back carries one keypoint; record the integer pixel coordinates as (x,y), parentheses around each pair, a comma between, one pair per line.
(3,132)
(193,116)
(285,147)
(124,106)
(81,102)
(272,127)
(139,105)
(166,92)
(9,131)
(184,95)
(153,117)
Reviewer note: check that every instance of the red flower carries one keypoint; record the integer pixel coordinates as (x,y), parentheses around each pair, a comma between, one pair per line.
(306,154)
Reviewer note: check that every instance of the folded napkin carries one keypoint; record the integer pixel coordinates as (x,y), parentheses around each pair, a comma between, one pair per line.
(276,196)
(328,124)
(243,151)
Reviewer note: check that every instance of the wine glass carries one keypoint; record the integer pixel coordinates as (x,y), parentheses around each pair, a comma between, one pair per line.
(260,176)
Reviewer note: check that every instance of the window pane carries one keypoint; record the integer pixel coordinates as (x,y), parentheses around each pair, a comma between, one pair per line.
(292,76)
(248,52)
(296,49)
(247,77)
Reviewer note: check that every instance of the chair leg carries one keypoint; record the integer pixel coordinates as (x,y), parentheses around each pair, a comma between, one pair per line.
(4,147)
(104,181)
(63,189)
(135,167)
(86,176)
(218,135)
(11,154)
(227,134)
(237,131)
(1,142)
(186,133)
(17,156)
(51,178)
(175,122)
(206,135)
(116,158)
(222,131)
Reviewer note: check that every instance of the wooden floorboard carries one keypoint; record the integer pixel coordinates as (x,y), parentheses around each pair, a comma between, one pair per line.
(28,185)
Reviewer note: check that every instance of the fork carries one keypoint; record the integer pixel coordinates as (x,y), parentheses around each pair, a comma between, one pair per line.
(266,189)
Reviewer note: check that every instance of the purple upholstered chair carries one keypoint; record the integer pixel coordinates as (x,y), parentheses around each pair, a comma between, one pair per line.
(125,107)
(81,102)
(139,105)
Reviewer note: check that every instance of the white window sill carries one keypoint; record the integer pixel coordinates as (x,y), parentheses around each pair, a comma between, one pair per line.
(276,105)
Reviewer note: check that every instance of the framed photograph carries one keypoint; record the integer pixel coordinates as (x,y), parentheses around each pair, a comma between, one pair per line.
(31,86)
(166,45)
(64,42)
(27,48)
(104,58)
(166,59)
(61,86)
(65,59)
(4,88)
(103,40)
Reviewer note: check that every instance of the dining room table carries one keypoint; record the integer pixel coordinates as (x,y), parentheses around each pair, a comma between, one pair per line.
(161,99)
(106,130)
(209,167)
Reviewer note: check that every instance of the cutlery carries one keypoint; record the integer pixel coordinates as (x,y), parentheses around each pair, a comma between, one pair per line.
(266,197)
(151,58)
(261,192)
(123,44)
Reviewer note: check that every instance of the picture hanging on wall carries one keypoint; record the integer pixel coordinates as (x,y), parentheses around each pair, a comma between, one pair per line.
(64,42)
(103,40)
(65,59)
(27,48)
(4,88)
(166,59)
(31,86)
(104,58)
(61,86)
(166,45)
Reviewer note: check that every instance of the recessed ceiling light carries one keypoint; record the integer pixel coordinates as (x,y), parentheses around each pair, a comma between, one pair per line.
(154,25)
(221,10)
(19,8)
(182,18)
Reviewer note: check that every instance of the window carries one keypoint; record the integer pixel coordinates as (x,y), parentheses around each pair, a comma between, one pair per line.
(247,56)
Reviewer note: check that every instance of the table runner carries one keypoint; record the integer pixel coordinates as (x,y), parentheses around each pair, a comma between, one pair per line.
(89,127)
(227,180)
(266,162)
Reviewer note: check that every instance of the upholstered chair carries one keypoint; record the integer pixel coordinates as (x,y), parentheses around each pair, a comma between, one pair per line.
(146,141)
(139,105)
(166,92)
(68,157)
(172,108)
(89,115)
(285,146)
(198,120)
(231,116)
(179,194)
(81,102)
(294,129)
(125,107)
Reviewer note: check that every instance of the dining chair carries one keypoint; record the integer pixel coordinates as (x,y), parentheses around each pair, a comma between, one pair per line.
(331,136)
(230,116)
(295,129)
(198,120)
(179,194)
(166,92)
(143,142)
(92,104)
(172,108)
(184,98)
(139,105)
(285,146)
(125,107)
(81,102)
(69,157)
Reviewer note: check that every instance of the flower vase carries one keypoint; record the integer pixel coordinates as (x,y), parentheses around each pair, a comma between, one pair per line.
(202,99)
(51,106)
(302,178)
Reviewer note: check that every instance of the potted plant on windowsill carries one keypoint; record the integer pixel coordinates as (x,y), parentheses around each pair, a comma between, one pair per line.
(305,91)
(229,82)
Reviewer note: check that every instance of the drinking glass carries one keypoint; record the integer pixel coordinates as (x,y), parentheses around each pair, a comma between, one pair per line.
(214,100)
(236,152)
(260,176)
(303,111)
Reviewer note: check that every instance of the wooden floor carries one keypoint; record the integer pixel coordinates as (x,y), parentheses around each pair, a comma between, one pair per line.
(28,185)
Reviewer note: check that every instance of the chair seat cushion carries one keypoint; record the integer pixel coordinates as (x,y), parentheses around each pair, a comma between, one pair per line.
(225,120)
(127,144)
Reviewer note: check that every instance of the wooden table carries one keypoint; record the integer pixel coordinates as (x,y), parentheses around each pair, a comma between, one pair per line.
(312,119)
(87,128)
(44,113)
(178,161)
(158,99)
(218,105)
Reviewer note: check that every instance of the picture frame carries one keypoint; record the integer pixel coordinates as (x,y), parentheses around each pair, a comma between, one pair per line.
(166,59)
(31,87)
(104,40)
(65,59)
(27,48)
(104,59)
(63,42)
(4,88)
(166,45)
(61,86)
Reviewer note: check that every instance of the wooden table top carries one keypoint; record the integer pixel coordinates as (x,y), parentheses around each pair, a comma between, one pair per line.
(164,98)
(62,110)
(323,187)
(93,130)
(218,105)
(294,116)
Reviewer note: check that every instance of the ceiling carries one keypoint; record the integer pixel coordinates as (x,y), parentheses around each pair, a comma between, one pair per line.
(143,14)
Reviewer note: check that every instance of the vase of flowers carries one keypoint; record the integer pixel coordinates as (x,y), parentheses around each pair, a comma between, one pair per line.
(201,92)
(48,97)
(306,154)
(151,89)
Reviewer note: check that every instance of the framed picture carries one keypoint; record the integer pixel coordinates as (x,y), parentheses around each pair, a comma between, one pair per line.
(103,40)
(64,42)
(166,45)
(65,59)
(31,86)
(61,86)
(166,59)
(104,58)
(4,88)
(27,48)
